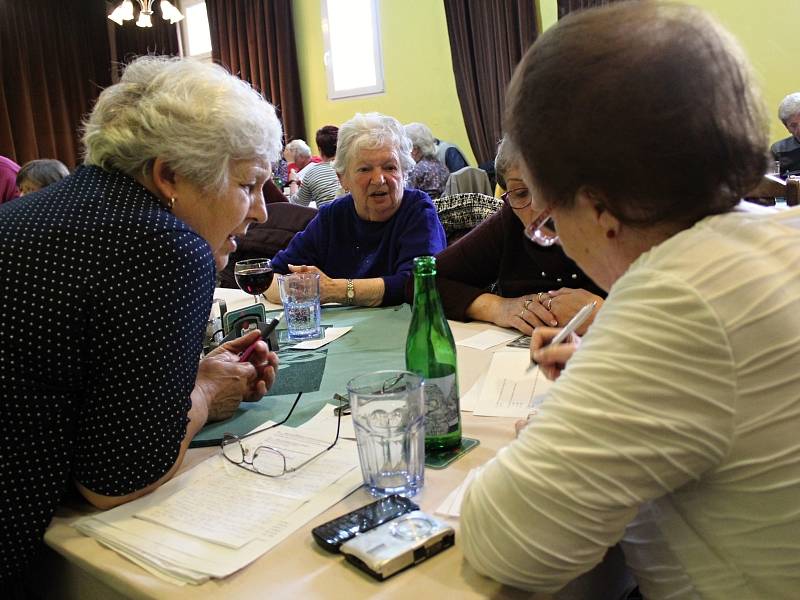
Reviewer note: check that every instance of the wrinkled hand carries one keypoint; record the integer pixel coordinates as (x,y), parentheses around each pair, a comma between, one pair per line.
(523,314)
(565,302)
(328,291)
(552,359)
(225,382)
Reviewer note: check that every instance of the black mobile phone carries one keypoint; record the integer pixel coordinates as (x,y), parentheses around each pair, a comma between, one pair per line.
(336,532)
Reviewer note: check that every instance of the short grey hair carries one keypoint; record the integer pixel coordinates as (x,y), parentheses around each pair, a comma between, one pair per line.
(789,107)
(42,172)
(422,139)
(371,131)
(298,148)
(507,158)
(195,116)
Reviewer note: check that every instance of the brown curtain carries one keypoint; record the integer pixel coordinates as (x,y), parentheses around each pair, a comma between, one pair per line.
(54,59)
(255,40)
(132,41)
(567,6)
(487,40)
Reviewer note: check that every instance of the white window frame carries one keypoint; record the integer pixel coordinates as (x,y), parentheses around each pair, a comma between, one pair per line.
(328,58)
(184,32)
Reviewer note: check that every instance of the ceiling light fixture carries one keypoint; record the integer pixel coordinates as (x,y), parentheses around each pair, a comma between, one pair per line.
(124,12)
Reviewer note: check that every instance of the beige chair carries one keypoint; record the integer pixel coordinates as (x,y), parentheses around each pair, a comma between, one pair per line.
(772,187)
(469,180)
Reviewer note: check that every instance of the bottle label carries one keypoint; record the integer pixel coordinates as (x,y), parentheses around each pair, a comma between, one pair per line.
(441,405)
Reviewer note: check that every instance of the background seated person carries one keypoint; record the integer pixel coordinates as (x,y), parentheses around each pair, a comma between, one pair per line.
(297,155)
(37,174)
(496,274)
(365,242)
(319,182)
(8,179)
(176,155)
(787,150)
(265,240)
(450,155)
(428,175)
(672,429)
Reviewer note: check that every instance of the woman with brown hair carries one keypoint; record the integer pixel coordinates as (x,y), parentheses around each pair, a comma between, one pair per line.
(673,427)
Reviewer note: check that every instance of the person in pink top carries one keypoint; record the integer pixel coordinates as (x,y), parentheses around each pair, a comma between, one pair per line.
(8,179)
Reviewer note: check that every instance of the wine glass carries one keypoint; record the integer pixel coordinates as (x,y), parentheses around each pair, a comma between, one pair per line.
(253,276)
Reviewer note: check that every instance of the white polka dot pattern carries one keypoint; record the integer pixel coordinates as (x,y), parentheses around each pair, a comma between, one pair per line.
(105,296)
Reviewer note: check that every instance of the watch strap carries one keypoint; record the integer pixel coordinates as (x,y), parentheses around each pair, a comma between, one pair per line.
(351,291)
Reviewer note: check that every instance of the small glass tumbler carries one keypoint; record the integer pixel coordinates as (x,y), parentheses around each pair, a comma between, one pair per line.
(389,417)
(300,297)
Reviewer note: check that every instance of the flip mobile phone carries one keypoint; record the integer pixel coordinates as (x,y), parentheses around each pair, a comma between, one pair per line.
(336,532)
(266,329)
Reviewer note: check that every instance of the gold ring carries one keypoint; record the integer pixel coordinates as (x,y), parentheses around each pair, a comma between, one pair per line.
(527,302)
(539,297)
(522,312)
(549,303)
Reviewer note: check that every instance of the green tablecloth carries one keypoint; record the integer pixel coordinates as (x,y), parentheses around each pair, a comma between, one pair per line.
(377,341)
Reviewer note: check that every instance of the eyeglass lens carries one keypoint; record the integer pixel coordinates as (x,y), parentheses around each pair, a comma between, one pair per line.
(537,230)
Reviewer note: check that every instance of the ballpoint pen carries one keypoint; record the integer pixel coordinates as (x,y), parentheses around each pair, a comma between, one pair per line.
(265,330)
(570,327)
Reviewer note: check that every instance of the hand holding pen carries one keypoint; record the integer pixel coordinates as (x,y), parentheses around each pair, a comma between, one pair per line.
(548,347)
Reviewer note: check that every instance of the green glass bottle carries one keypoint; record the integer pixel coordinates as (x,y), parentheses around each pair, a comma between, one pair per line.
(431,353)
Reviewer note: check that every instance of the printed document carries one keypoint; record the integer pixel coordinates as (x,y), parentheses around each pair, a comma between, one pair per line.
(509,389)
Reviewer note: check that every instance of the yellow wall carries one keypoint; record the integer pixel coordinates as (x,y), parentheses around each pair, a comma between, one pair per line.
(767,30)
(417,70)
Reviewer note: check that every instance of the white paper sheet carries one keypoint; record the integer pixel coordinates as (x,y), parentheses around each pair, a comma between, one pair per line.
(489,338)
(209,512)
(331,333)
(509,390)
(469,400)
(175,556)
(324,424)
(451,507)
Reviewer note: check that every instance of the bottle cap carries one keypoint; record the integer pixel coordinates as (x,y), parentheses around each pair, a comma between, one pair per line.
(425,265)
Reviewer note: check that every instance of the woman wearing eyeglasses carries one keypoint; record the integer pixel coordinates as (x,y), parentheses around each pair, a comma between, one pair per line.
(500,274)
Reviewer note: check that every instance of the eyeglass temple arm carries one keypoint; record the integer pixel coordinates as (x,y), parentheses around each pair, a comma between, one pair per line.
(291,410)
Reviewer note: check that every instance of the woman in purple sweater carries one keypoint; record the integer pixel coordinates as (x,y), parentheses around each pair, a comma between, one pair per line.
(364,243)
(496,274)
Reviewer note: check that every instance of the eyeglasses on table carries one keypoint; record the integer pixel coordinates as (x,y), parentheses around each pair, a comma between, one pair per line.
(266,460)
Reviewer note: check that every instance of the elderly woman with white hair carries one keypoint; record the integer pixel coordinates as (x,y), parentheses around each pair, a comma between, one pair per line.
(363,244)
(297,154)
(122,257)
(429,174)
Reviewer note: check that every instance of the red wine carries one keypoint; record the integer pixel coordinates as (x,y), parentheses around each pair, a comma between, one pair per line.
(255,280)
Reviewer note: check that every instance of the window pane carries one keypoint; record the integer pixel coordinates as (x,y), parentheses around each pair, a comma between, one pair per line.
(354,51)
(198,33)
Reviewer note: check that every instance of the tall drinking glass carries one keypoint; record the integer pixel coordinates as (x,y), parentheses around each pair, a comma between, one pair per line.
(253,275)
(389,417)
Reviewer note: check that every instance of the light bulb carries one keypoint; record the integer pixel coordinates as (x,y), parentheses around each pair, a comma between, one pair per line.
(116,15)
(144,20)
(127,10)
(168,11)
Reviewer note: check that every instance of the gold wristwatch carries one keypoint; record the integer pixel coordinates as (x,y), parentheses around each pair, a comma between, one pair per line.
(351,292)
